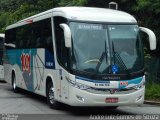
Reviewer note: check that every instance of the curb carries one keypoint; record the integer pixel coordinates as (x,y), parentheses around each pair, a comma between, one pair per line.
(152,102)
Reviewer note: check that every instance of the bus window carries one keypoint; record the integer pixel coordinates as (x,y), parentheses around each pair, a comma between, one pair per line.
(35,35)
(1,50)
(10,39)
(62,51)
(47,35)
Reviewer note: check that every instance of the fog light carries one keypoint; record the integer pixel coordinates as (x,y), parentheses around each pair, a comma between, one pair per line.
(80,98)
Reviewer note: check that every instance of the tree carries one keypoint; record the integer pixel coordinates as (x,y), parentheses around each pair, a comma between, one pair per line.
(13,10)
(72,2)
(148,12)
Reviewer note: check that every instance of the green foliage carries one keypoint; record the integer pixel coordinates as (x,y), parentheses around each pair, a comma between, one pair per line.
(13,10)
(147,55)
(72,2)
(149,6)
(152,92)
(124,5)
(148,12)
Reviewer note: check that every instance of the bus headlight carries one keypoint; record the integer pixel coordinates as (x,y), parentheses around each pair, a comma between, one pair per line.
(81,86)
(141,85)
(78,85)
(137,87)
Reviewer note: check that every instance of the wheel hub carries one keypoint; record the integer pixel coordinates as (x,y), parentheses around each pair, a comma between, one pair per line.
(51,95)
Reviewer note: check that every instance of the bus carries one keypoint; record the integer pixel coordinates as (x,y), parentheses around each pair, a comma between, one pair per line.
(1,56)
(80,56)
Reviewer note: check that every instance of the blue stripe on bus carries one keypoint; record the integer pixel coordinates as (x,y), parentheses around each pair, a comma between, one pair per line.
(91,80)
(132,81)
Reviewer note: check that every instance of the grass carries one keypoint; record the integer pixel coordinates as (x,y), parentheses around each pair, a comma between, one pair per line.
(152,92)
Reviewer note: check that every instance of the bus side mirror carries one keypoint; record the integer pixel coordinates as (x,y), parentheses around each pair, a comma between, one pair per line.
(67,35)
(152,37)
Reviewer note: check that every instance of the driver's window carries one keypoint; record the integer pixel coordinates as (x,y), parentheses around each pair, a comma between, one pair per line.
(62,51)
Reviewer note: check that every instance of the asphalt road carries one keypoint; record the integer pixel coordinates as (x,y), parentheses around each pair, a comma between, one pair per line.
(30,106)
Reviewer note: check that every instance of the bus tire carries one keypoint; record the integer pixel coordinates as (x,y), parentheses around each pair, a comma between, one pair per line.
(50,97)
(14,86)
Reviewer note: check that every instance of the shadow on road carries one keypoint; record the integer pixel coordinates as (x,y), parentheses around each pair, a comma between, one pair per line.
(75,111)
(85,111)
(2,81)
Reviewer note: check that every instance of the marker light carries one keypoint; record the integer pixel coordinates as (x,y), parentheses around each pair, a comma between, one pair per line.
(141,85)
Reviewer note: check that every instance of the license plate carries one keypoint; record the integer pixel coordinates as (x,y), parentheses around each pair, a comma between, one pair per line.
(111,100)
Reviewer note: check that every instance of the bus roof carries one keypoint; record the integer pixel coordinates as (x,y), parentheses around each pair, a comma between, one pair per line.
(81,14)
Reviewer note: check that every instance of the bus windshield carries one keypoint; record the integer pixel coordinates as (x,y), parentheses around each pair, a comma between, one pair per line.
(98,47)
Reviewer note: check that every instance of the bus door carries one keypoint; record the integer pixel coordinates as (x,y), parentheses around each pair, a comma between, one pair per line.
(64,85)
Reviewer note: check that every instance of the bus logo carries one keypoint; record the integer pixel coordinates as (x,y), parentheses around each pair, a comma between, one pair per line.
(123,83)
(26,62)
(112,91)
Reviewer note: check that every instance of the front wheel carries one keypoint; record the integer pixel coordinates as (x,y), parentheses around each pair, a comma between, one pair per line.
(51,98)
(14,85)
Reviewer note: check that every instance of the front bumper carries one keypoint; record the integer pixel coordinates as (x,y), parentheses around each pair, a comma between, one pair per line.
(79,97)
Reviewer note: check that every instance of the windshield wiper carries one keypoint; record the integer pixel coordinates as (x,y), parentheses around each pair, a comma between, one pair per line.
(100,61)
(104,54)
(118,57)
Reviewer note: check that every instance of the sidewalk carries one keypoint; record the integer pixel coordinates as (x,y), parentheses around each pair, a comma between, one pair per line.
(152,102)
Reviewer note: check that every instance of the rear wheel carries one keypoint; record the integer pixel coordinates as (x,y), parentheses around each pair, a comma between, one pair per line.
(51,97)
(14,85)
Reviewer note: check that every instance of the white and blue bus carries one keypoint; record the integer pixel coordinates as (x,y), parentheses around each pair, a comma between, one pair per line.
(2,36)
(79,56)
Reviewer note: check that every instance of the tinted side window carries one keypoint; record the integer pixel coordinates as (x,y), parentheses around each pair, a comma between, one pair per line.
(35,35)
(1,49)
(47,35)
(10,39)
(62,51)
(1,42)
(22,36)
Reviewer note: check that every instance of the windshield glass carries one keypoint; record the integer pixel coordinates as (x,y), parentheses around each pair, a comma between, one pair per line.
(93,44)
(89,46)
(126,47)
